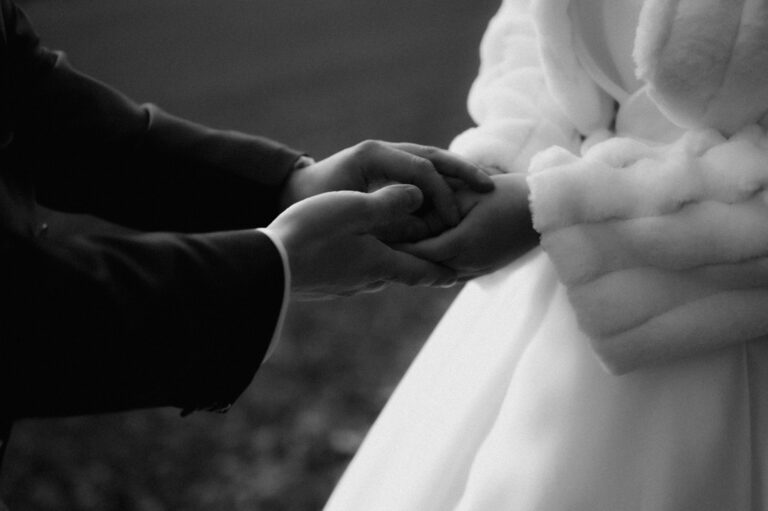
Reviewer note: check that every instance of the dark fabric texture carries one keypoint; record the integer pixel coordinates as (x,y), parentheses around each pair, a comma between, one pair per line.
(178,316)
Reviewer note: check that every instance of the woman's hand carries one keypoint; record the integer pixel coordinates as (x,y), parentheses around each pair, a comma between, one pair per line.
(496,229)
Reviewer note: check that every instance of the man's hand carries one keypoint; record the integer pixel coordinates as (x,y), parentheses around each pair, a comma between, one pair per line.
(370,165)
(496,230)
(333,250)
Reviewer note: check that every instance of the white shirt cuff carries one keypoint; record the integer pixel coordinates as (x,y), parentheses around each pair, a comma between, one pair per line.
(286,291)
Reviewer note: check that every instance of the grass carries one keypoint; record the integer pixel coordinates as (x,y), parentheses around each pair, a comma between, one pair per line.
(319,76)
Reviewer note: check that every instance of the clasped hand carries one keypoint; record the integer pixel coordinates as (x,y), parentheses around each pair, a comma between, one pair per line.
(496,229)
(342,216)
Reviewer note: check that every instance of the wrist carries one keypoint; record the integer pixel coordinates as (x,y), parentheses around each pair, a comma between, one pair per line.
(519,192)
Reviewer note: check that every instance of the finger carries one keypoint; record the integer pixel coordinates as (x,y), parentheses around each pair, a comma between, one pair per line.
(452,165)
(388,204)
(413,271)
(375,287)
(383,162)
(439,249)
(407,229)
(491,170)
(469,276)
(455,184)
(433,223)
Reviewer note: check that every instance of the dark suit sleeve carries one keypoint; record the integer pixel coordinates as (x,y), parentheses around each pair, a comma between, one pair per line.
(97,324)
(94,151)
(113,323)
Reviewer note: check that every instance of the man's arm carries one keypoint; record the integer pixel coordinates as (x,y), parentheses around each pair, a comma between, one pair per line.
(95,151)
(111,323)
(96,324)
(114,323)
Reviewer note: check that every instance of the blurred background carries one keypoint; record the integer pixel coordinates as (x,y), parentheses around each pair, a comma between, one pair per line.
(320,76)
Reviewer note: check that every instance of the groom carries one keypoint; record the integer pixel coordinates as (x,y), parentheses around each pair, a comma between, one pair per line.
(183,314)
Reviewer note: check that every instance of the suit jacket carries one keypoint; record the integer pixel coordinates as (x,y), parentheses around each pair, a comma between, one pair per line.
(180,316)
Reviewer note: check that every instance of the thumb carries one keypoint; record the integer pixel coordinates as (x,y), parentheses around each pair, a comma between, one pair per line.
(413,271)
(392,202)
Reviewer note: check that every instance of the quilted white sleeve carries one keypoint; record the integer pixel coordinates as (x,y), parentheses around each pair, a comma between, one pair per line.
(663,249)
(510,100)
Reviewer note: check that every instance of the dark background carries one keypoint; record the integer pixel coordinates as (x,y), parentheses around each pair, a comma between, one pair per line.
(318,75)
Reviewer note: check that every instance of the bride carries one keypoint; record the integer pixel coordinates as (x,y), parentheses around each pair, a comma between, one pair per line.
(620,366)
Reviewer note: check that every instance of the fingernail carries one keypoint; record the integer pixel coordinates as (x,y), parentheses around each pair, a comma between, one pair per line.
(449,283)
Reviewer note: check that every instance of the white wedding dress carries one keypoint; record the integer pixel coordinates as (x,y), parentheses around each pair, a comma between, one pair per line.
(509,405)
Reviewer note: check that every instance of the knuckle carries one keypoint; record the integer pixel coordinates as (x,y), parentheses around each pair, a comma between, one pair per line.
(423,165)
(430,151)
(367,148)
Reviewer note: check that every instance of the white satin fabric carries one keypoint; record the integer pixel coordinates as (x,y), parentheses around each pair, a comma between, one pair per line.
(506,408)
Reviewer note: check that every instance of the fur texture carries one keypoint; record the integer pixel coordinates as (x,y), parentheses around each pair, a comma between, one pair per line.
(663,248)
(655,241)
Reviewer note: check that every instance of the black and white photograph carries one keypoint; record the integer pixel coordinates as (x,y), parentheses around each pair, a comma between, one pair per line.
(458,255)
